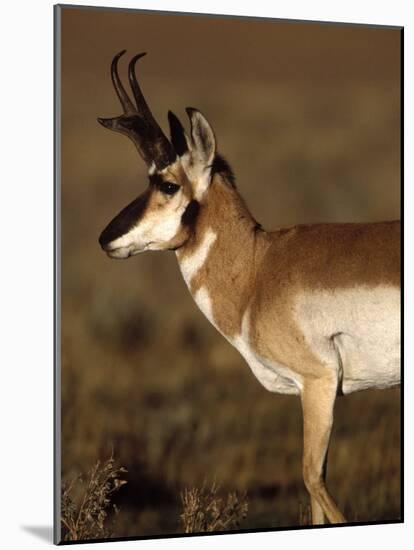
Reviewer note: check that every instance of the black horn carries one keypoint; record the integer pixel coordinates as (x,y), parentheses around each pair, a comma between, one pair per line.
(142,105)
(126,103)
(137,121)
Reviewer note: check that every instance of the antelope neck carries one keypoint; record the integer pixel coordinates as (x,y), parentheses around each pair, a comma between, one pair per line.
(220,259)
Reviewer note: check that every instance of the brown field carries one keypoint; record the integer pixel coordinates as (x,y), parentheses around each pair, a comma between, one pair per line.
(309,118)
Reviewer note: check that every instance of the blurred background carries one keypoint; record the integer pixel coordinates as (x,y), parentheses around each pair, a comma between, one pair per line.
(308,115)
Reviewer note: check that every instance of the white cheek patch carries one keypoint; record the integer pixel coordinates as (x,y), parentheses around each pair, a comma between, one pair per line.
(155,229)
(158,230)
(192,263)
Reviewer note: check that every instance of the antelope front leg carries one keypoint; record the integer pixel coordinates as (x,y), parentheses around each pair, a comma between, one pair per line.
(318,399)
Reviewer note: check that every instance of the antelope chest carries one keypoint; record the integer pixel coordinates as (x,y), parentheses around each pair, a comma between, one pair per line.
(274,376)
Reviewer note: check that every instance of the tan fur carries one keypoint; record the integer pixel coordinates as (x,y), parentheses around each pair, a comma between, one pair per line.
(248,266)
(225,275)
(312,308)
(328,256)
(248,269)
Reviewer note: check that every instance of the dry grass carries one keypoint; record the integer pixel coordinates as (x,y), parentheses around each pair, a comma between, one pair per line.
(205,511)
(86,504)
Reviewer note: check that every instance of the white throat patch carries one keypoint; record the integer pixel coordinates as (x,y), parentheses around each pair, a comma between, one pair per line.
(191,264)
(203,300)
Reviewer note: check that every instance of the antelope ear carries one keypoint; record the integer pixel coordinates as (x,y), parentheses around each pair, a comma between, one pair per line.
(179,138)
(202,136)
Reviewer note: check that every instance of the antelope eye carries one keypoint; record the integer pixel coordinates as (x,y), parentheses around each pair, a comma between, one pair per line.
(168,188)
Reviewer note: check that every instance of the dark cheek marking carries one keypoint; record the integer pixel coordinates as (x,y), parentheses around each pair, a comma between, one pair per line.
(191,213)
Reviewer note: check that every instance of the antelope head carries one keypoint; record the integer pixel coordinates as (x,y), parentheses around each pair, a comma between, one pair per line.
(179,174)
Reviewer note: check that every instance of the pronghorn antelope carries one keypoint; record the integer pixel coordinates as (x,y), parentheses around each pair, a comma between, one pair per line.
(313,309)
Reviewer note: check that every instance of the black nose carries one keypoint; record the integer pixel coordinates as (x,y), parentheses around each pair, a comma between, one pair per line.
(127,218)
(103,239)
(115,229)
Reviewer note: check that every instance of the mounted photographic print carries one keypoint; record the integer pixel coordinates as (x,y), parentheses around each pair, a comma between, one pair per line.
(228,260)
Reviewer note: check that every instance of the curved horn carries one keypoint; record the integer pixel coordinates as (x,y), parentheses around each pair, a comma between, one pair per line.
(126,103)
(142,105)
(137,122)
(162,150)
